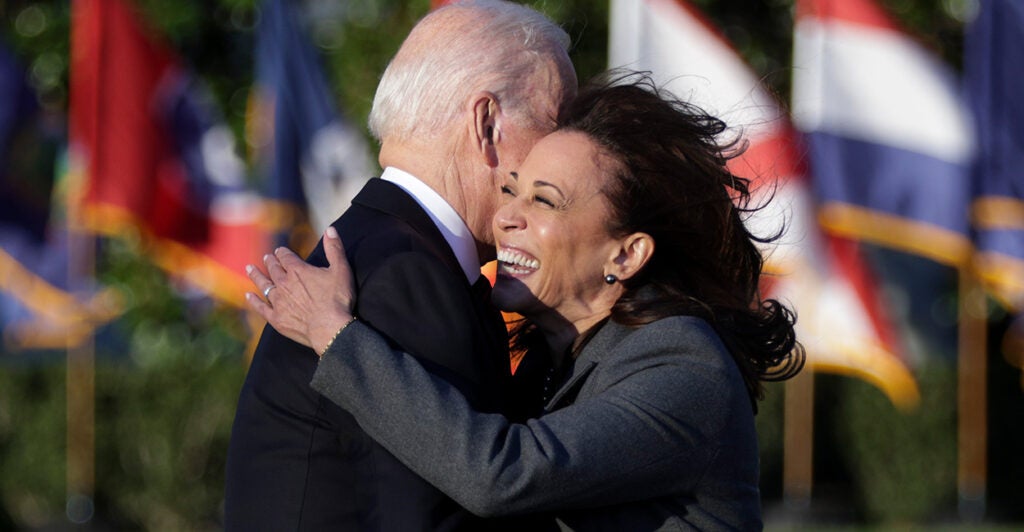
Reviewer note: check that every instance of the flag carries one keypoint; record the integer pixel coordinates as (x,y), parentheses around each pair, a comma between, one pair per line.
(37,306)
(994,56)
(824,279)
(150,157)
(314,160)
(889,136)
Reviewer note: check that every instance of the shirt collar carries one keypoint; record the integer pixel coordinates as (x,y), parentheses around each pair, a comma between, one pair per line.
(452,227)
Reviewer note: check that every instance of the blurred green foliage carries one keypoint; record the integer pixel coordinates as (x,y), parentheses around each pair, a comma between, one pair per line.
(167,378)
(169,370)
(161,438)
(906,461)
(32,435)
(162,444)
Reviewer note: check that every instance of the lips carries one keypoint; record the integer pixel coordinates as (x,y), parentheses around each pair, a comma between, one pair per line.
(514,262)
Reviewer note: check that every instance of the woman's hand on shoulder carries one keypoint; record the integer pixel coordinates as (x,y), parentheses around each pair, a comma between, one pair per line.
(305,303)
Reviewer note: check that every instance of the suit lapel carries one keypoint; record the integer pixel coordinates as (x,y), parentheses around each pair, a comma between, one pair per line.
(388,198)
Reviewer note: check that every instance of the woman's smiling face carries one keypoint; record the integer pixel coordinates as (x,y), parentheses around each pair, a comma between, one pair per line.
(552,233)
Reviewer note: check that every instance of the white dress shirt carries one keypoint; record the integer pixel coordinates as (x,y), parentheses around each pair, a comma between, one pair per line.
(451,225)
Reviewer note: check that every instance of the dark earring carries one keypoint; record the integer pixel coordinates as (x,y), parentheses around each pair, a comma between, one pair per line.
(610,279)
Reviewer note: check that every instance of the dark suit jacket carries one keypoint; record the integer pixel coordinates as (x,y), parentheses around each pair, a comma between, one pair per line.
(652,429)
(296,461)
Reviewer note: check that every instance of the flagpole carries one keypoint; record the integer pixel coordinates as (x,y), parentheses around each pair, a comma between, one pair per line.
(80,381)
(972,421)
(80,432)
(798,441)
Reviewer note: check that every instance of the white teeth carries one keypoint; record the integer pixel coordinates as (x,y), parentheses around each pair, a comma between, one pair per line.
(510,257)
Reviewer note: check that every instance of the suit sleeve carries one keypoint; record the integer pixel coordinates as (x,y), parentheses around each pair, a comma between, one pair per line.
(424,308)
(652,431)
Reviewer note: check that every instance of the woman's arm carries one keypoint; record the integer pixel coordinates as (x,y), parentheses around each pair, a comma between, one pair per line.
(652,430)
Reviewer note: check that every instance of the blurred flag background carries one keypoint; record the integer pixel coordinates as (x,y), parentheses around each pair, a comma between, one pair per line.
(890,140)
(994,78)
(42,303)
(149,156)
(840,321)
(313,161)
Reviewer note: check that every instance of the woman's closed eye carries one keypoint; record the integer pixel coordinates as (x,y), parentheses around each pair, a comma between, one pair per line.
(537,198)
(544,200)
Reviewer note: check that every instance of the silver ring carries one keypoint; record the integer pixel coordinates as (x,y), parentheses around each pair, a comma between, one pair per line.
(266,292)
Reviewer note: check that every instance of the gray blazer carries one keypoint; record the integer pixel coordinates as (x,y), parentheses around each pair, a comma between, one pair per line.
(652,429)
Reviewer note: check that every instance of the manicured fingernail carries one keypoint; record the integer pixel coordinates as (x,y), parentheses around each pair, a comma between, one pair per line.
(248,269)
(332,232)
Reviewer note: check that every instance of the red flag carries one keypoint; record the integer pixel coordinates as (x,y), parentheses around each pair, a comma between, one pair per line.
(139,140)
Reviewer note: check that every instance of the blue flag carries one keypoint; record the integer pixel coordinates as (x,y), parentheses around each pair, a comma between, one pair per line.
(994,72)
(315,161)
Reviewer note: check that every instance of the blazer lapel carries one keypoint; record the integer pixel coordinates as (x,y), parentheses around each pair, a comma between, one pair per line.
(600,346)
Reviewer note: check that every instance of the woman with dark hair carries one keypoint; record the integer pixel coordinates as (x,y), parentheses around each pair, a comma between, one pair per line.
(621,241)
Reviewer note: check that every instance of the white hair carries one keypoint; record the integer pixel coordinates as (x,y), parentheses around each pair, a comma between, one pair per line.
(461,48)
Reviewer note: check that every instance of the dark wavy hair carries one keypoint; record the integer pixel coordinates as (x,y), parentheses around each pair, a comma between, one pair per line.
(671,182)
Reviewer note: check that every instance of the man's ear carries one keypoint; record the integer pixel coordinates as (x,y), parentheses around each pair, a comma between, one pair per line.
(486,127)
(634,252)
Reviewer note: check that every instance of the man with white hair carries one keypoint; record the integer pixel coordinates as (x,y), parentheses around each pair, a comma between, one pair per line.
(472,88)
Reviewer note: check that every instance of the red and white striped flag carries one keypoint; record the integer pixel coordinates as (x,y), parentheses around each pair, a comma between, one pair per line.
(839,320)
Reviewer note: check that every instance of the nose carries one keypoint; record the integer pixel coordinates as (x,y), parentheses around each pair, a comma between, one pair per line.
(509,217)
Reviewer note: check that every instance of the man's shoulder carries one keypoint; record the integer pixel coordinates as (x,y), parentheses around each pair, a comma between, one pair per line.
(385,214)
(373,238)
(375,234)
(364,227)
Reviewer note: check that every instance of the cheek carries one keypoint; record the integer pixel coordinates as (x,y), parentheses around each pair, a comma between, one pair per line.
(570,260)
(558,250)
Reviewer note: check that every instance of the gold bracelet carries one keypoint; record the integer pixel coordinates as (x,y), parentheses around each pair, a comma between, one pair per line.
(335,337)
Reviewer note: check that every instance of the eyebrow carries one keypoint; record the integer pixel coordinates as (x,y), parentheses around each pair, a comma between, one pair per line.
(540,183)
